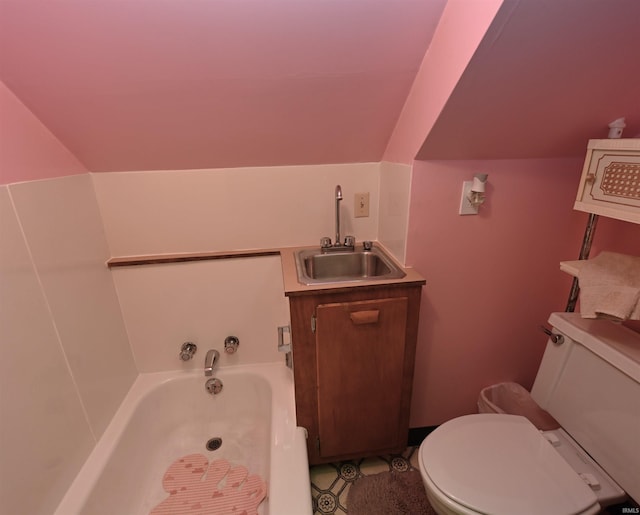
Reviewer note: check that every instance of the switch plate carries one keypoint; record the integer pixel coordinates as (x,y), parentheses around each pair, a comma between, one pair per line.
(361,205)
(466,208)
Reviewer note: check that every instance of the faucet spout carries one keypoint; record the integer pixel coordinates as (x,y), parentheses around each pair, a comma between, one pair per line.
(210,361)
(338,199)
(338,246)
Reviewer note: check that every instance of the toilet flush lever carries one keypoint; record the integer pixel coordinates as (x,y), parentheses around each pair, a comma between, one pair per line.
(558,339)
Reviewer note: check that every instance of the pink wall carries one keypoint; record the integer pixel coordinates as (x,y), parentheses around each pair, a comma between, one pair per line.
(616,236)
(28,150)
(492,279)
(461,28)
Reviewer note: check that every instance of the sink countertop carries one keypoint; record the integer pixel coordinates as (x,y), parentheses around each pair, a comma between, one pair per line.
(292,286)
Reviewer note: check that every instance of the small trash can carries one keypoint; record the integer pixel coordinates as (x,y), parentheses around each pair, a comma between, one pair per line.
(513,399)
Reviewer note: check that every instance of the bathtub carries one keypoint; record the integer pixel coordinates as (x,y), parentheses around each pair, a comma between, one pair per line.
(167,415)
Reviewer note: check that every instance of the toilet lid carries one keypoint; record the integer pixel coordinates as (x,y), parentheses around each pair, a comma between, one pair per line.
(499,464)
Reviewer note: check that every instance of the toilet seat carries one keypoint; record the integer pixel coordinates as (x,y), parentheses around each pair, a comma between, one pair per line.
(500,464)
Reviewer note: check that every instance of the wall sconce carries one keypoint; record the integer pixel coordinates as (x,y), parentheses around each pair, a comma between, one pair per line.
(616,127)
(473,194)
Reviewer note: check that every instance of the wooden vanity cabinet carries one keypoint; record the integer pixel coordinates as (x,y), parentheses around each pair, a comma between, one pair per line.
(353,360)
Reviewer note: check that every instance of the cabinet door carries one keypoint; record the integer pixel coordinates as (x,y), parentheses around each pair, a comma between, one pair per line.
(610,182)
(360,351)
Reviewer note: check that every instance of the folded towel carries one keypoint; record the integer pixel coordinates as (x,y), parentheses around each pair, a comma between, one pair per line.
(610,287)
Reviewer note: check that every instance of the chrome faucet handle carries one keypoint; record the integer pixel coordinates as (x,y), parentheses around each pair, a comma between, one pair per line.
(231,344)
(366,245)
(187,351)
(325,242)
(210,361)
(350,241)
(214,386)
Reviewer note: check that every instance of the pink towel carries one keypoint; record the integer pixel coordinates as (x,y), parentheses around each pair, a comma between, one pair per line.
(610,287)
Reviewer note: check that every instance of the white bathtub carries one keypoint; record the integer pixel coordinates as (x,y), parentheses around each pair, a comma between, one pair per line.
(168,415)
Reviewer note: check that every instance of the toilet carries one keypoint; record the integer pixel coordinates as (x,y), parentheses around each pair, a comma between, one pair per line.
(499,464)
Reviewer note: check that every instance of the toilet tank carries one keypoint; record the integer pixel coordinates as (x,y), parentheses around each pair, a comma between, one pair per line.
(591,385)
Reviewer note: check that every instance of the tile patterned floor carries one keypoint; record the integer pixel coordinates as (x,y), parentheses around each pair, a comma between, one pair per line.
(330,483)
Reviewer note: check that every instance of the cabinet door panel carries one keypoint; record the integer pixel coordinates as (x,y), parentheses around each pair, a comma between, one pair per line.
(360,351)
(610,182)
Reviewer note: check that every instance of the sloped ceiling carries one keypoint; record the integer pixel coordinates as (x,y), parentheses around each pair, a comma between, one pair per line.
(548,76)
(179,84)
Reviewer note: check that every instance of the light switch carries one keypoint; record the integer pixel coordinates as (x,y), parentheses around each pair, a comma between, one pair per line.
(361,205)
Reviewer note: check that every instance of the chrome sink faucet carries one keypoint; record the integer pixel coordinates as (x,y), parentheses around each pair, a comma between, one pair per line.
(338,246)
(210,361)
(338,199)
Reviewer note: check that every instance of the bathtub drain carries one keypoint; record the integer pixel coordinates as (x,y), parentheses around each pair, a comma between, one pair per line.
(214,444)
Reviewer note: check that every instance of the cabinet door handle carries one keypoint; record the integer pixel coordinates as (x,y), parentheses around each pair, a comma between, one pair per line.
(365,317)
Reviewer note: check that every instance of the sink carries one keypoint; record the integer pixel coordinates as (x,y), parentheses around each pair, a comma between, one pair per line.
(315,267)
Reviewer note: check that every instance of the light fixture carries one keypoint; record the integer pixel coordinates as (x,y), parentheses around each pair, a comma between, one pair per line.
(616,127)
(476,196)
(473,194)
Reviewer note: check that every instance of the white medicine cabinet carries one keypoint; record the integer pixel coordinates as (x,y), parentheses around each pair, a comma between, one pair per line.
(610,182)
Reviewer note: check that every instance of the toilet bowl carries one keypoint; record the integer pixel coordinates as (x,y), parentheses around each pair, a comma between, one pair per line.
(499,464)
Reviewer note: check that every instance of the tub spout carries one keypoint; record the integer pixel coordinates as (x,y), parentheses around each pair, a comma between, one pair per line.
(210,361)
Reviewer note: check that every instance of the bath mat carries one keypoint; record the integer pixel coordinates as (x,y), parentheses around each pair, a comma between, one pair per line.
(389,493)
(197,487)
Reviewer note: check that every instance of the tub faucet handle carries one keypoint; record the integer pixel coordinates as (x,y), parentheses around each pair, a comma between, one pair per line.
(187,351)
(210,361)
(231,344)
(214,386)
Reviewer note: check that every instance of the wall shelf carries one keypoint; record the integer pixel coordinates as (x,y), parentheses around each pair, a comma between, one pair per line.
(156,259)
(572,267)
